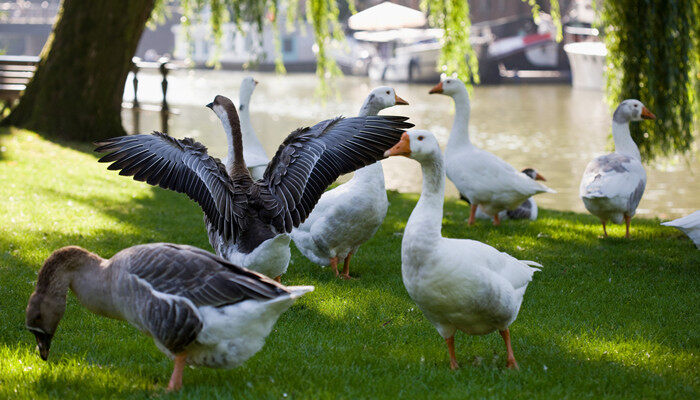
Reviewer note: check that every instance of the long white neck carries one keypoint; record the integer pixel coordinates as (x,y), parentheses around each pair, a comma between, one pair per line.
(426,218)
(623,140)
(372,174)
(459,136)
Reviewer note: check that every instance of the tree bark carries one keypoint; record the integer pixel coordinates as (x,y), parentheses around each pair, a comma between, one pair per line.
(77,90)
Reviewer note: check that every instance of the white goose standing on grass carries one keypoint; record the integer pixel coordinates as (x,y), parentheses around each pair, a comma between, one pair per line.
(249,221)
(613,184)
(459,284)
(198,308)
(255,157)
(690,225)
(489,183)
(350,214)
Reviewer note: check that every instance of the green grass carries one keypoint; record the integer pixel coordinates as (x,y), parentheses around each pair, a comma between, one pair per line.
(605,318)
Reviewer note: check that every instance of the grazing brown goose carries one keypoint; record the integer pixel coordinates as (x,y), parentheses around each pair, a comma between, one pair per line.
(199,308)
(249,221)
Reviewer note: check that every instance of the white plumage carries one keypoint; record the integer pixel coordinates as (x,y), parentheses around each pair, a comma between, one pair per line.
(489,183)
(458,284)
(350,214)
(690,225)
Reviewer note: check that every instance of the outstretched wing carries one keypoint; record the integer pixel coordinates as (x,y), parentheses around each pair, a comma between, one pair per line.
(310,159)
(183,166)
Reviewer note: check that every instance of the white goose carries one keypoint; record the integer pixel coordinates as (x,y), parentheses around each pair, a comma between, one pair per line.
(198,308)
(459,284)
(350,214)
(526,210)
(249,221)
(255,157)
(690,225)
(613,184)
(486,180)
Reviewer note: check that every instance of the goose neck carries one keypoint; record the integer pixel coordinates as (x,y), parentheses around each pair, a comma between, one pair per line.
(232,127)
(623,140)
(459,136)
(426,218)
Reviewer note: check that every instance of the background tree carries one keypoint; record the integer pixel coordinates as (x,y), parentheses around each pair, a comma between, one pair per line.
(654,56)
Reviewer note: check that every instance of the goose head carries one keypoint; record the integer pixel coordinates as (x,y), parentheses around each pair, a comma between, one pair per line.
(449,87)
(248,85)
(380,98)
(533,174)
(44,312)
(417,144)
(631,110)
(224,108)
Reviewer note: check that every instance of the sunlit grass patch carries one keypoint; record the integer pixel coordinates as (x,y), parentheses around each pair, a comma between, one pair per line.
(611,317)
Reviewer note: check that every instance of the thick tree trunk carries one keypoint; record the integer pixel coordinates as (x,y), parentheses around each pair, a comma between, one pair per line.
(76,92)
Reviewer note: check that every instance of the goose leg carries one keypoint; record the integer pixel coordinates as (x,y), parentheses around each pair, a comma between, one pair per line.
(628,219)
(346,267)
(511,364)
(472,214)
(496,220)
(278,278)
(334,265)
(176,378)
(451,349)
(605,233)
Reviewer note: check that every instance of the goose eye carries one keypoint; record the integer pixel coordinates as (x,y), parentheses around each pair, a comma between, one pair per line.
(636,105)
(420,137)
(387,92)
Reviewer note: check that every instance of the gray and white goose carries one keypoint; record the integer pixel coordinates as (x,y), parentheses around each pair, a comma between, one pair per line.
(249,221)
(613,184)
(198,308)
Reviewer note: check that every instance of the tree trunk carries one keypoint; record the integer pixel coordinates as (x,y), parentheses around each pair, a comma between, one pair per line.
(77,90)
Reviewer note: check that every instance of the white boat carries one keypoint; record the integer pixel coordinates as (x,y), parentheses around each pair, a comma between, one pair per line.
(587,60)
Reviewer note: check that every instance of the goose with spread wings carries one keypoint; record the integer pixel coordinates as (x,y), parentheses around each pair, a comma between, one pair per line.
(249,221)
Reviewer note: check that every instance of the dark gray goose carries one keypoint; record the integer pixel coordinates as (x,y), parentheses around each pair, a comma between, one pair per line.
(199,308)
(249,221)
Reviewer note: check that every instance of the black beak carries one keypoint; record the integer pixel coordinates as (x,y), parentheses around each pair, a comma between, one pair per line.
(43,341)
(211,105)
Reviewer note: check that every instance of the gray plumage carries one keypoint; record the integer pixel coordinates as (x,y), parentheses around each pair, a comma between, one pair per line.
(238,208)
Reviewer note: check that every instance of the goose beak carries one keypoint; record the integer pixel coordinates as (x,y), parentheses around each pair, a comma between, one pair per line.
(210,105)
(43,342)
(400,101)
(436,89)
(646,114)
(402,148)
(539,177)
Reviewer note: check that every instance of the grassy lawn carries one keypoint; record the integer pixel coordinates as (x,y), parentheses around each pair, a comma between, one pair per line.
(609,317)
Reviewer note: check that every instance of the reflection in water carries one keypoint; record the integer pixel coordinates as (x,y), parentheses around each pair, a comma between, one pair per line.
(553,128)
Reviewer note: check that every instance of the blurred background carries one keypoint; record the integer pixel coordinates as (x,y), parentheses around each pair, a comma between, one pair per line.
(540,102)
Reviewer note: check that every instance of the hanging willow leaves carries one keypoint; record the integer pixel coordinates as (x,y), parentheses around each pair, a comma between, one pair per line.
(654,56)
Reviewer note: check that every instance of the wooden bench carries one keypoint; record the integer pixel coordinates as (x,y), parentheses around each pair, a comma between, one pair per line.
(15,74)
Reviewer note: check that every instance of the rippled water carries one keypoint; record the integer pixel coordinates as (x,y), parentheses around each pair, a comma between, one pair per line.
(553,128)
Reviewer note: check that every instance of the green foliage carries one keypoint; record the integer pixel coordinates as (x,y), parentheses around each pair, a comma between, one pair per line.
(457,55)
(654,56)
(605,318)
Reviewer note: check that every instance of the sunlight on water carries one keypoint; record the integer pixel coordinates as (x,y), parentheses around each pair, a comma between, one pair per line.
(552,128)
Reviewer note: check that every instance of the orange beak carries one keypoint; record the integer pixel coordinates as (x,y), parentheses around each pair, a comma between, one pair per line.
(646,114)
(400,101)
(436,89)
(402,148)
(539,177)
